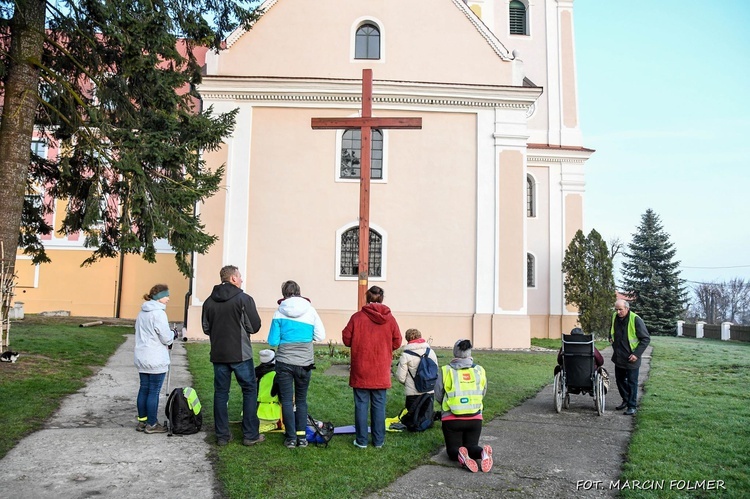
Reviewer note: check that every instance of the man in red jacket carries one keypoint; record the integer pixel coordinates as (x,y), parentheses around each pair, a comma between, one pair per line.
(373,335)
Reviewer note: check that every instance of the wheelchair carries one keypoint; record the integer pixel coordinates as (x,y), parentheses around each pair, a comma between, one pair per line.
(578,374)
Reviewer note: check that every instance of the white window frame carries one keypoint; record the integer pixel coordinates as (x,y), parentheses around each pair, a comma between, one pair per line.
(353,42)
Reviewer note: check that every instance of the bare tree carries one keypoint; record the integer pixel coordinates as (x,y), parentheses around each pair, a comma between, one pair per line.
(615,246)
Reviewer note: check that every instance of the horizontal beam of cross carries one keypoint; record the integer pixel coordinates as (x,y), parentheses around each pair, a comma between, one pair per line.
(397,123)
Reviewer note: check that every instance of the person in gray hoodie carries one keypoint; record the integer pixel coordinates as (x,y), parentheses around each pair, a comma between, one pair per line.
(153,338)
(294,327)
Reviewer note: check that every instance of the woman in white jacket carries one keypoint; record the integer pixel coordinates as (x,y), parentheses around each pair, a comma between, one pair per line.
(152,340)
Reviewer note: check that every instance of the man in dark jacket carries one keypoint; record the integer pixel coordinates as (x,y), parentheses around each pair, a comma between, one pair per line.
(229,318)
(629,338)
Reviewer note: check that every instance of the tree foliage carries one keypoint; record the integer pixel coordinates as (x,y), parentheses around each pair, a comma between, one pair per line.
(112,85)
(651,277)
(717,302)
(589,283)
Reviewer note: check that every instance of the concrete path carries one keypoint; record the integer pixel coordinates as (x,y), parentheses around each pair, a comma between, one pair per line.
(90,447)
(537,452)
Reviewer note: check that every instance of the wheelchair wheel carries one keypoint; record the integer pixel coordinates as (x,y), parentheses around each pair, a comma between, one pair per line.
(599,396)
(558,393)
(566,401)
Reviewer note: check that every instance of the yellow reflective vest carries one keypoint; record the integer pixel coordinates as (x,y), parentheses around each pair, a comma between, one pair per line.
(268,406)
(464,390)
(632,336)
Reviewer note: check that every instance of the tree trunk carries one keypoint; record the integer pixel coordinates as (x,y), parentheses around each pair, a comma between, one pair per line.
(19,110)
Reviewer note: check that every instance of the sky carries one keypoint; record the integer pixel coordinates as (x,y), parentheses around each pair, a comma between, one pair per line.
(664,99)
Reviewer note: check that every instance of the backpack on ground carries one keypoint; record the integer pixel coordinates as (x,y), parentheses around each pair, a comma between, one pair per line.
(421,415)
(427,372)
(183,412)
(318,432)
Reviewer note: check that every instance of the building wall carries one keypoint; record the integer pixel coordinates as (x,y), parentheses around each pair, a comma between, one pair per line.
(93,290)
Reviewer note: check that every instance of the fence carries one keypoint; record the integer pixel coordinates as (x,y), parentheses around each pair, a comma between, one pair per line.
(727,331)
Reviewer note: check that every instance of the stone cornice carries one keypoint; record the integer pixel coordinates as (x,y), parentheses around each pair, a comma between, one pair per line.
(348,91)
(569,155)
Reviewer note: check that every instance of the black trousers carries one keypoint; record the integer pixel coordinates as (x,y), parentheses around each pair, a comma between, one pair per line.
(462,433)
(627,385)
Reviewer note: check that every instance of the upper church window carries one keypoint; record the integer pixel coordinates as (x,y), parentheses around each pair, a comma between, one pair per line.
(518,18)
(367,42)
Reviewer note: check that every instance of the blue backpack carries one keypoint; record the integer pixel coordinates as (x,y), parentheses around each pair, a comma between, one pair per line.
(427,372)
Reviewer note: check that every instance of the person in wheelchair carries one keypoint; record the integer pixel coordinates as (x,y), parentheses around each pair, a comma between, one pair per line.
(598,362)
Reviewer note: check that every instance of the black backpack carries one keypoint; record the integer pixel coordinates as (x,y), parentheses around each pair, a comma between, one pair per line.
(183,412)
(318,432)
(427,372)
(421,415)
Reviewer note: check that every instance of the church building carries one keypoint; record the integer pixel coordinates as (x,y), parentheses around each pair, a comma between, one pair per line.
(469,216)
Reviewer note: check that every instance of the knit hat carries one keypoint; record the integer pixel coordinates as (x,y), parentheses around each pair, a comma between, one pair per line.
(266,356)
(462,349)
(576,330)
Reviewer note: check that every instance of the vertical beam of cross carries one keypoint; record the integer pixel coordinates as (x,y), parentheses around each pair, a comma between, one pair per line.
(365,123)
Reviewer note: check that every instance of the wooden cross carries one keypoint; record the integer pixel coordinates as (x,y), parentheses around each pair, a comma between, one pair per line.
(365,123)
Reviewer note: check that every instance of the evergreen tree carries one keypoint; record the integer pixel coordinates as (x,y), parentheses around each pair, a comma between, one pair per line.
(589,283)
(651,277)
(111,84)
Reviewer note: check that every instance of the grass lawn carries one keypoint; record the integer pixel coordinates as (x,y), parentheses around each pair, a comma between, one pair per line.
(56,358)
(341,470)
(694,421)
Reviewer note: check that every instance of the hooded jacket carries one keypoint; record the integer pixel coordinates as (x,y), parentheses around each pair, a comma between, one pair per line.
(229,318)
(295,325)
(407,364)
(152,336)
(373,335)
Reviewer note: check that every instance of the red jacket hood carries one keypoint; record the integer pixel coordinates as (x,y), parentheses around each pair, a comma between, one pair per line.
(377,312)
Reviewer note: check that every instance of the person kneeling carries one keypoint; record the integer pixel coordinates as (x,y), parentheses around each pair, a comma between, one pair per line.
(462,415)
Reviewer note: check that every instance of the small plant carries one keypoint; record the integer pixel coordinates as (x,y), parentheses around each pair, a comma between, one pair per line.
(334,352)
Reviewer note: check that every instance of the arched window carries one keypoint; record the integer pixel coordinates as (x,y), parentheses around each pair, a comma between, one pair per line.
(367,42)
(350,253)
(530,276)
(351,153)
(518,21)
(530,196)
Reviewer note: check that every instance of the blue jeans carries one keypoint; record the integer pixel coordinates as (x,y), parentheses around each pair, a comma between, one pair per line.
(293,382)
(627,385)
(148,397)
(372,401)
(244,372)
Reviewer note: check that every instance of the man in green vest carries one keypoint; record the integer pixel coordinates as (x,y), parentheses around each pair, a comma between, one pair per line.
(629,338)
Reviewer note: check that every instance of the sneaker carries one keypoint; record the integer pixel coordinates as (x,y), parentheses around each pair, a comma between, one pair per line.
(466,461)
(221,442)
(290,444)
(486,458)
(302,442)
(357,444)
(141,426)
(157,428)
(248,442)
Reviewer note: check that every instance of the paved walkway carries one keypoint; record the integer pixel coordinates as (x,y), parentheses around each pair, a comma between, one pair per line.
(90,448)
